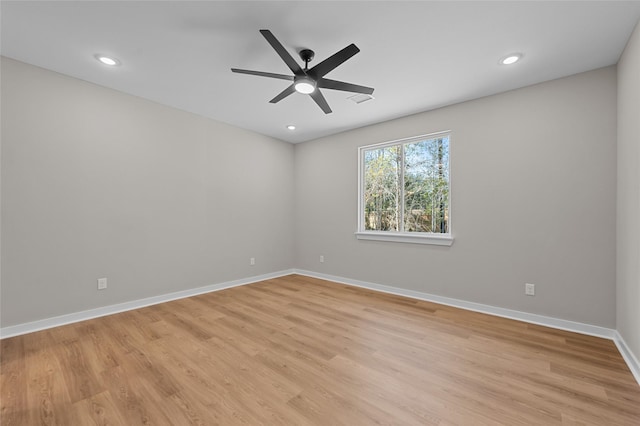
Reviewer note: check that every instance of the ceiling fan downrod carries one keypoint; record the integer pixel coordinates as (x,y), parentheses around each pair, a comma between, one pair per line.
(307,55)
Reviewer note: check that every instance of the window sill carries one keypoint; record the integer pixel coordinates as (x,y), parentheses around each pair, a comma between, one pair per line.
(433,239)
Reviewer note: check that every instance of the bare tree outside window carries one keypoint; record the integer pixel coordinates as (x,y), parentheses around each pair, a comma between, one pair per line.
(406,186)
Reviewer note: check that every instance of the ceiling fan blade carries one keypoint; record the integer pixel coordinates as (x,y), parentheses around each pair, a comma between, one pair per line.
(286,92)
(321,101)
(325,83)
(321,69)
(263,74)
(279,48)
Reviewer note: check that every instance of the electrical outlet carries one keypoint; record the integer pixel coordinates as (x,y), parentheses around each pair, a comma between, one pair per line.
(321,259)
(530,289)
(102,283)
(252,261)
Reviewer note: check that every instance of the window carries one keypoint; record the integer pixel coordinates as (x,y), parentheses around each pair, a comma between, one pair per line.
(404,191)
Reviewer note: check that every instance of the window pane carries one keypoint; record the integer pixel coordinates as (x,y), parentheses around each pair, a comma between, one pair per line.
(426,175)
(382,168)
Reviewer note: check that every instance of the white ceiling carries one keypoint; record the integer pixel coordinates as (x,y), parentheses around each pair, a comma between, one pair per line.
(417,55)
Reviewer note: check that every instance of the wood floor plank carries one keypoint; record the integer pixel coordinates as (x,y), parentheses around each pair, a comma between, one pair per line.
(47,389)
(14,408)
(297,350)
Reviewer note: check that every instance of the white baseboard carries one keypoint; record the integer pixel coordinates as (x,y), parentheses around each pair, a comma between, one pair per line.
(629,357)
(29,327)
(577,327)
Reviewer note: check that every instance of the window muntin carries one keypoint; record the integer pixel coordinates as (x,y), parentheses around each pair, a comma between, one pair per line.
(405,187)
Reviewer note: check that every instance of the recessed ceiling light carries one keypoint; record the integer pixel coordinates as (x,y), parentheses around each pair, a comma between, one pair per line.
(511,59)
(291,127)
(107,60)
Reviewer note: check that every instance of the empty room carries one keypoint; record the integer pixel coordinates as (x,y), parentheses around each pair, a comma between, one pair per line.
(320,213)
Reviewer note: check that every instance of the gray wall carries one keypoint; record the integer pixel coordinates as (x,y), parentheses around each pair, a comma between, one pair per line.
(628,247)
(533,200)
(97,183)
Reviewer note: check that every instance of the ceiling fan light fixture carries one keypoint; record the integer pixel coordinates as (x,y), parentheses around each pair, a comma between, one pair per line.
(291,127)
(305,85)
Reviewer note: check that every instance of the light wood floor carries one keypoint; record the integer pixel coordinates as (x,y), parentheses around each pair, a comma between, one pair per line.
(299,351)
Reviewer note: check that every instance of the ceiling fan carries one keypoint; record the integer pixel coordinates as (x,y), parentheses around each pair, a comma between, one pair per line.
(309,81)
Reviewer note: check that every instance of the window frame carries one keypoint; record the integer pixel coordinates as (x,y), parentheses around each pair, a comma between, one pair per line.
(441,239)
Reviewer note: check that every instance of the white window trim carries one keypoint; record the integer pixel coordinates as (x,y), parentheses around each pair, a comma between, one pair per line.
(407,237)
(400,237)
